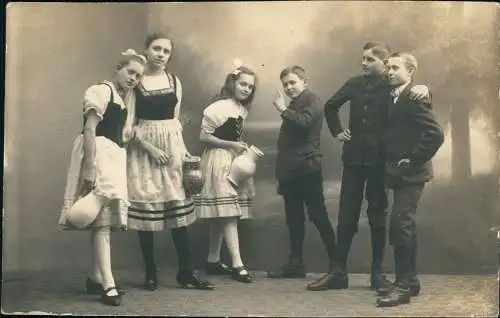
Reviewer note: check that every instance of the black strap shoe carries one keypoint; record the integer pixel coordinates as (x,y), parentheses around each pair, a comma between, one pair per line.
(239,275)
(217,268)
(114,300)
(95,288)
(187,278)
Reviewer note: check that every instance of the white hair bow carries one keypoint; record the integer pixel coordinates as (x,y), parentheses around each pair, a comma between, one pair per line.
(237,63)
(132,52)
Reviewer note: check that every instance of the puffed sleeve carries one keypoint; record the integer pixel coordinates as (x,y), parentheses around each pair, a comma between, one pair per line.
(215,115)
(97,97)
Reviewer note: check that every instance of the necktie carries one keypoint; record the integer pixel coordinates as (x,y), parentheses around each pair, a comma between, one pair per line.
(393,99)
(394,95)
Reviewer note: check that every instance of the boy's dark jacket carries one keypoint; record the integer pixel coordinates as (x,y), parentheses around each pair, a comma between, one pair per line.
(299,151)
(368,98)
(411,132)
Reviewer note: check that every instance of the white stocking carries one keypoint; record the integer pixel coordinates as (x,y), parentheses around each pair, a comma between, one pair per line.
(95,272)
(232,240)
(216,234)
(102,248)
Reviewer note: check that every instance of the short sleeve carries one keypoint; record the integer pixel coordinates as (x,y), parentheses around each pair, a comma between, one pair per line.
(214,116)
(97,97)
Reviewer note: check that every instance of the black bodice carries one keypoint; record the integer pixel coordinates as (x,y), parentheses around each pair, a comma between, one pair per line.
(231,130)
(113,121)
(156,104)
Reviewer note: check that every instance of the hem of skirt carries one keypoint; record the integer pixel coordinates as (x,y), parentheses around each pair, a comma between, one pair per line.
(201,216)
(239,217)
(158,228)
(165,218)
(162,225)
(116,228)
(182,210)
(149,207)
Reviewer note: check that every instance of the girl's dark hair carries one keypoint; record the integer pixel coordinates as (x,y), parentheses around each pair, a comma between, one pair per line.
(294,69)
(155,36)
(227,90)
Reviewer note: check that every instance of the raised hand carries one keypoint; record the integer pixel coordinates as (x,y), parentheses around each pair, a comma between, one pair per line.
(279,101)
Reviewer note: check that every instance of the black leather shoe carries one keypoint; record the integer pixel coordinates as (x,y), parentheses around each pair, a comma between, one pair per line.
(293,269)
(115,300)
(239,276)
(398,295)
(217,268)
(414,288)
(151,282)
(188,278)
(332,280)
(95,288)
(380,283)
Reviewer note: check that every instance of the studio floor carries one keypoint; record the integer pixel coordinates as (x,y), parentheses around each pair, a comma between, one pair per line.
(63,293)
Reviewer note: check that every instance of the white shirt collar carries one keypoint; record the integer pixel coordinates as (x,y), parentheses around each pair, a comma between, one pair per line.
(397,91)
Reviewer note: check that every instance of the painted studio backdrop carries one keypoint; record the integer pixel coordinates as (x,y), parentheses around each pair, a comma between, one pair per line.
(55,51)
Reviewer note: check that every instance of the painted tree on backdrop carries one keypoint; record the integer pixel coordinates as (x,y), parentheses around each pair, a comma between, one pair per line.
(453,42)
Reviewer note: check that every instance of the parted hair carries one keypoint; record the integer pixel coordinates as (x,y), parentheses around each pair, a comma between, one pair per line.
(409,60)
(294,69)
(378,48)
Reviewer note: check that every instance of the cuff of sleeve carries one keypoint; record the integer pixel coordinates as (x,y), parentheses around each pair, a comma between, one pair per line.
(89,107)
(284,114)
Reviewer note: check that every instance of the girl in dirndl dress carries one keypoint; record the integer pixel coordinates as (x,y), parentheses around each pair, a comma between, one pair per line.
(154,166)
(95,197)
(219,202)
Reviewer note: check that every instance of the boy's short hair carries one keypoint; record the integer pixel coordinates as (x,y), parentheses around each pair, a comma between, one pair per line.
(408,58)
(294,69)
(378,48)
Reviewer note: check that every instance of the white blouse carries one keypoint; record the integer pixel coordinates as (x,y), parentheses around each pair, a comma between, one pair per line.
(217,113)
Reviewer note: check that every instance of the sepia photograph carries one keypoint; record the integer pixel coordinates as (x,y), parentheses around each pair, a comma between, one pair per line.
(252,159)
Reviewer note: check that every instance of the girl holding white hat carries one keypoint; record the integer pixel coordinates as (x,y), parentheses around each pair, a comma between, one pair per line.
(96,196)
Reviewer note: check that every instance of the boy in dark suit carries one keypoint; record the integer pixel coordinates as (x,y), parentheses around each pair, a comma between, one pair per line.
(299,168)
(411,138)
(363,163)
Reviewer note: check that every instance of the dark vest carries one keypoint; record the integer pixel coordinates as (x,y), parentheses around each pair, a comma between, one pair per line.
(113,121)
(157,104)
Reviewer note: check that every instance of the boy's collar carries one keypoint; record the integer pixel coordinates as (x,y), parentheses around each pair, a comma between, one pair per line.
(301,94)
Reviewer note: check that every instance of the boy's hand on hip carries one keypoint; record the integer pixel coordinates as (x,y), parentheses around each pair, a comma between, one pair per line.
(344,136)
(404,163)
